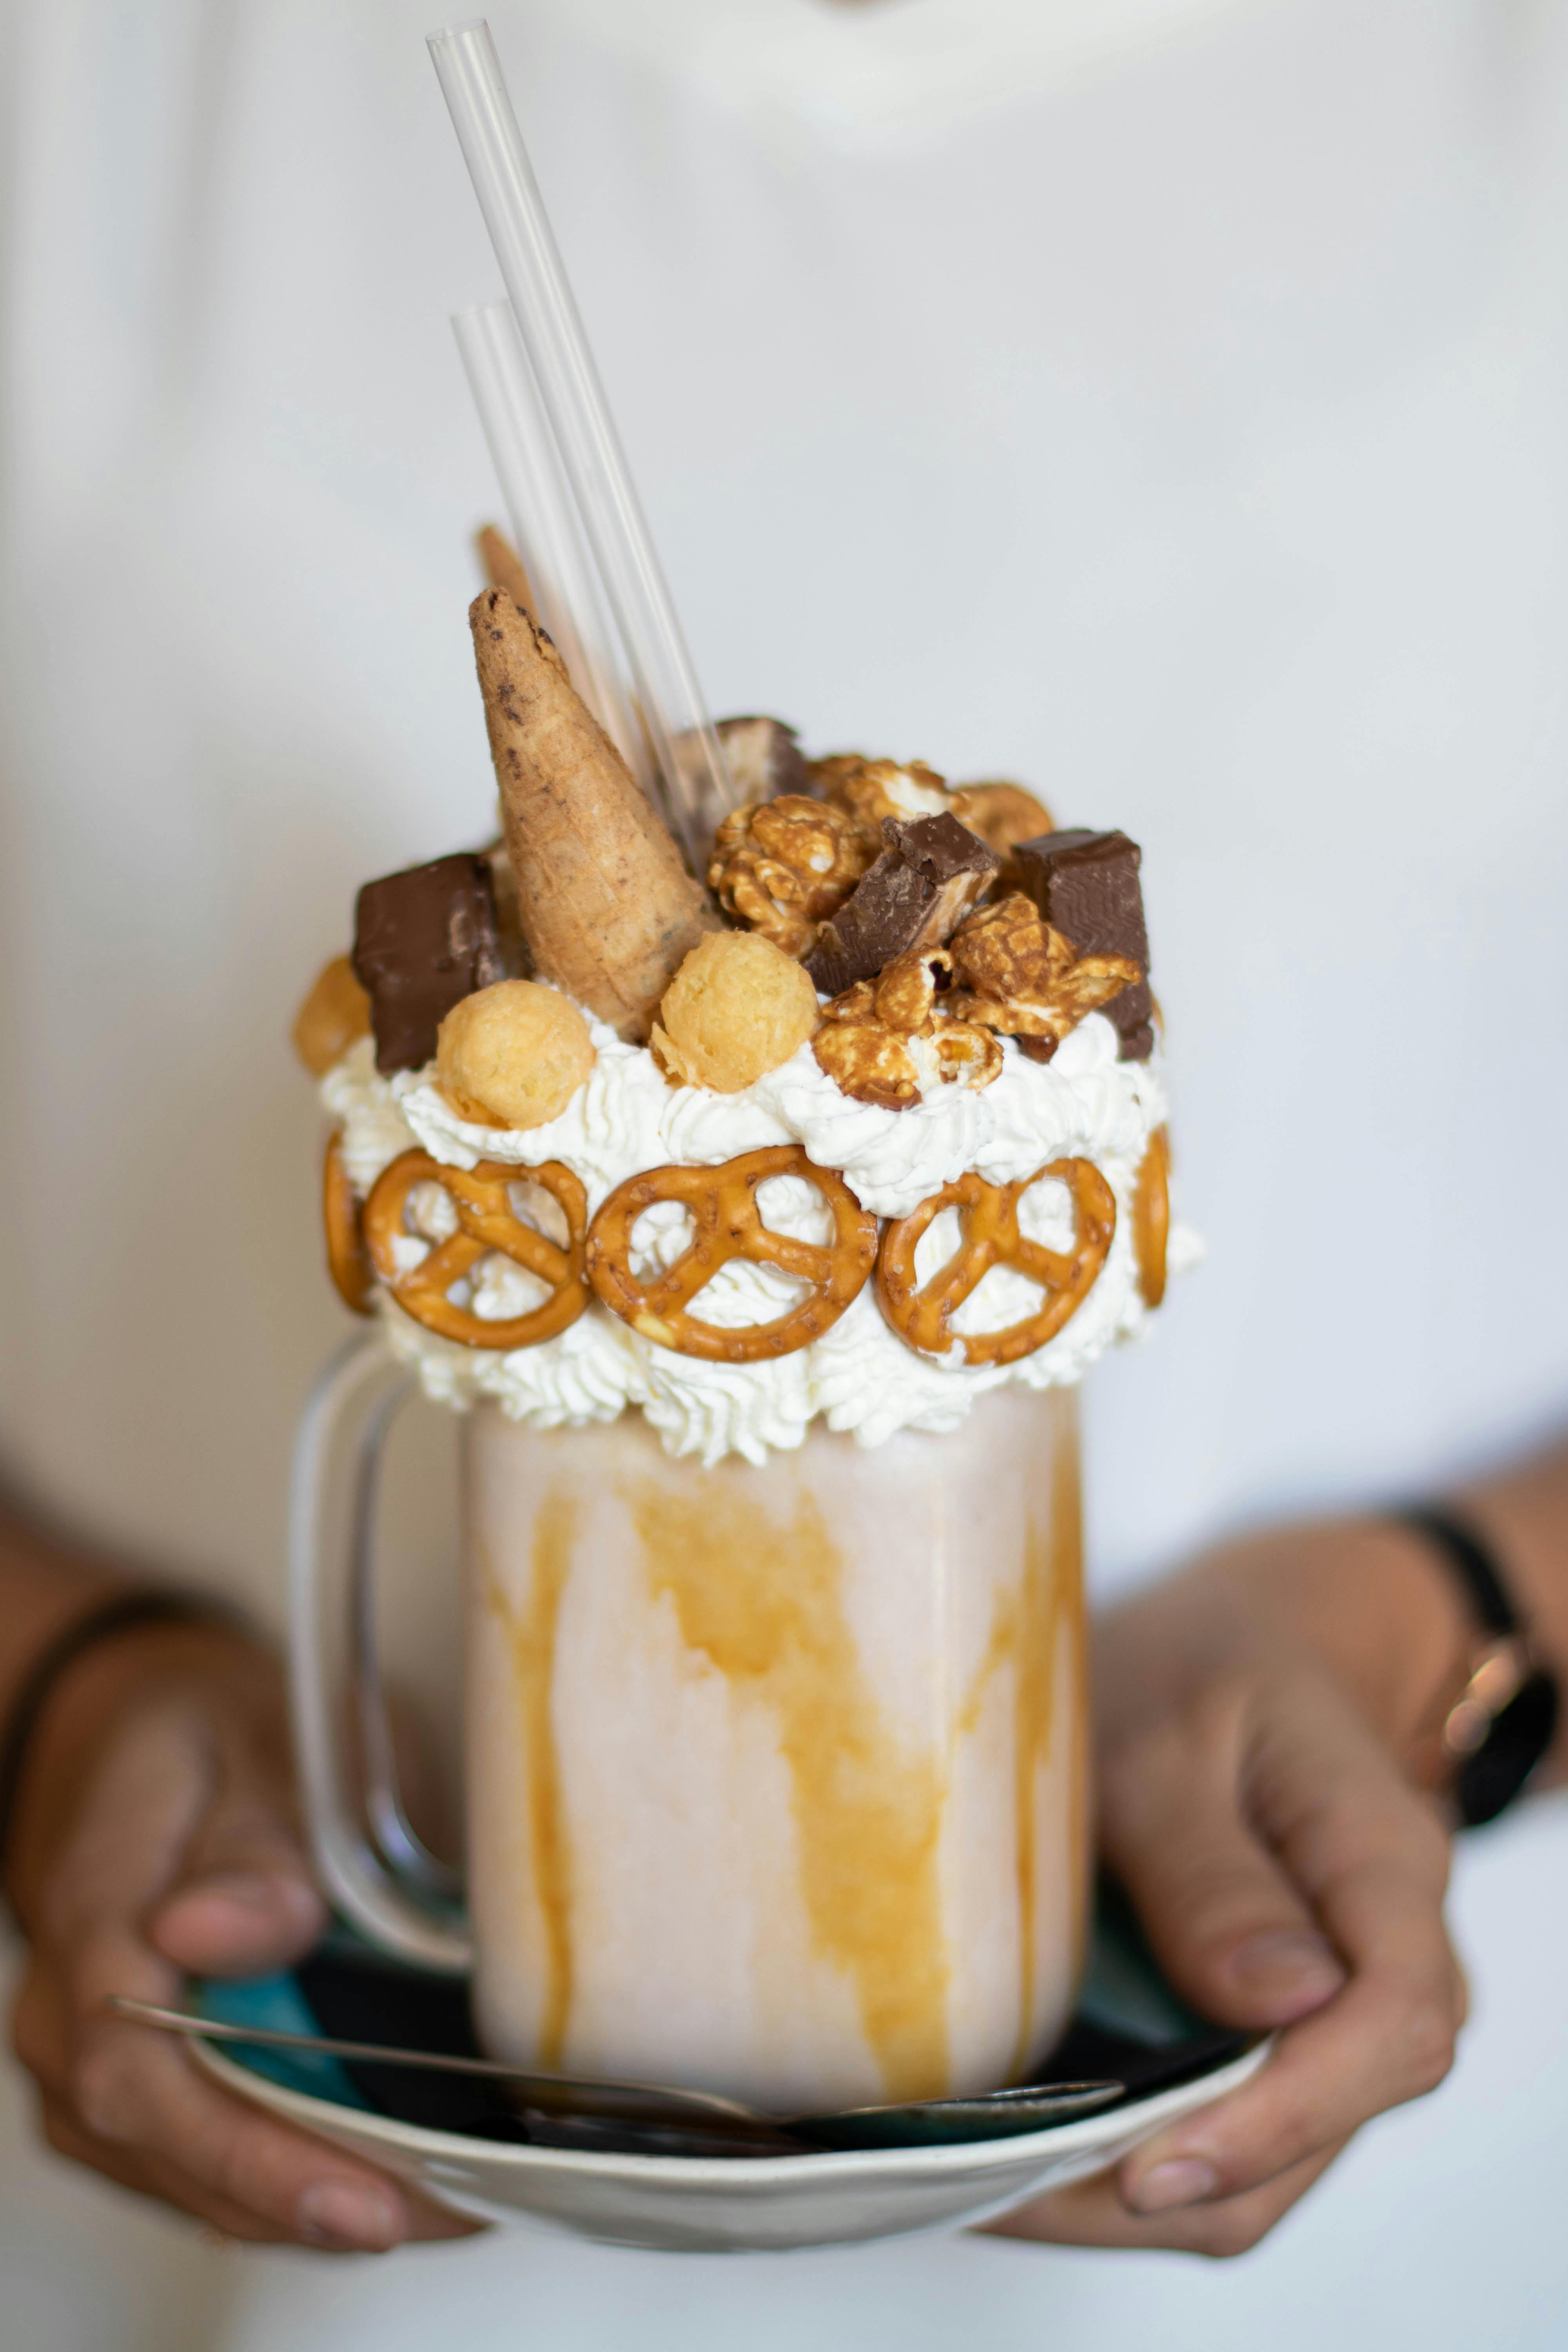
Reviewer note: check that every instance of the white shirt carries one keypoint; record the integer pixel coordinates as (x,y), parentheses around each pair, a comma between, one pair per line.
(1181,434)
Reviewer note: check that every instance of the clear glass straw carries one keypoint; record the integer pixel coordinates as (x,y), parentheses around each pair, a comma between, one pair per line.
(668,697)
(544,526)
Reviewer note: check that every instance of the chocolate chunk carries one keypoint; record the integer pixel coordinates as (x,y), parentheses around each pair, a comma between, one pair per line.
(1086,885)
(764,758)
(880,919)
(918,890)
(424,940)
(941,849)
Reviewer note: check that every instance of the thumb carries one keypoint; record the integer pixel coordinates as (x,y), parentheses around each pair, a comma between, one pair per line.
(245,1900)
(1231,1931)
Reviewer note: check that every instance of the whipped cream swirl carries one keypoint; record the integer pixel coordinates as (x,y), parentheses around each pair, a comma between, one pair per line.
(861,1377)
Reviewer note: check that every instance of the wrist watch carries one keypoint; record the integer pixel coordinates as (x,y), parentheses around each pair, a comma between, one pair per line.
(1503,1722)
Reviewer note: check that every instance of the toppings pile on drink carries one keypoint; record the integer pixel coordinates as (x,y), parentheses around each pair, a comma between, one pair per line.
(925,1006)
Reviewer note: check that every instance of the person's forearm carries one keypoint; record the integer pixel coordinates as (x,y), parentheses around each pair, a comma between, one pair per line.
(47,1587)
(44,1588)
(81,1716)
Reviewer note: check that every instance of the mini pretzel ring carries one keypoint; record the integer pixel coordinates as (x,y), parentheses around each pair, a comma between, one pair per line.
(486,1221)
(348,1260)
(923,1314)
(1151,1217)
(723,1205)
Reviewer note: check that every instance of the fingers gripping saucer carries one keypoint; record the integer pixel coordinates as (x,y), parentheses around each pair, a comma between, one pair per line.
(728,1224)
(923,1313)
(348,1260)
(486,1221)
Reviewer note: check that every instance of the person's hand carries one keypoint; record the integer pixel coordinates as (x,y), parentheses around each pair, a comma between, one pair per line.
(157,1834)
(1286,1871)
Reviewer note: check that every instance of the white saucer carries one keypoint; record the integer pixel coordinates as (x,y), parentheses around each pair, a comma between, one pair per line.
(735,2205)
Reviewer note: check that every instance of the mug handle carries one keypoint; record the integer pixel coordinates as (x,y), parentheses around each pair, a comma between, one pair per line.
(358,1389)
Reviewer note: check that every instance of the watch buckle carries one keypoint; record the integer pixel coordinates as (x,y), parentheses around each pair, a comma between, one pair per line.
(1496,1678)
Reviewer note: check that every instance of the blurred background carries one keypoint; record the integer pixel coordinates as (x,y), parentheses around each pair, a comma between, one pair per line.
(1162,403)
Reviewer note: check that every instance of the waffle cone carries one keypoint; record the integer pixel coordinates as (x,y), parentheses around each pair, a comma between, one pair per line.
(606,905)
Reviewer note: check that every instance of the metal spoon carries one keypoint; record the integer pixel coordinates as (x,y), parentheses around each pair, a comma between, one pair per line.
(663,2106)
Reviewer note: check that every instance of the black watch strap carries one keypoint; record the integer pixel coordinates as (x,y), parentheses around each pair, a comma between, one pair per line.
(1506,1719)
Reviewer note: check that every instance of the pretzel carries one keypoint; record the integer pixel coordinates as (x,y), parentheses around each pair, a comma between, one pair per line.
(923,1314)
(348,1260)
(486,1221)
(1151,1217)
(723,1205)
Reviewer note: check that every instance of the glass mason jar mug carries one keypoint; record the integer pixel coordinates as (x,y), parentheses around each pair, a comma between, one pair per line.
(777,1777)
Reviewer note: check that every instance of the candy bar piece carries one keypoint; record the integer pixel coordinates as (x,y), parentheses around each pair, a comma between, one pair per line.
(881,920)
(956,863)
(763,756)
(918,890)
(424,940)
(1086,885)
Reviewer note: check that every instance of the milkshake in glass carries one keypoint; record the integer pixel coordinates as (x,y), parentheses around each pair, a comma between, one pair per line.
(763,1236)
(777,1775)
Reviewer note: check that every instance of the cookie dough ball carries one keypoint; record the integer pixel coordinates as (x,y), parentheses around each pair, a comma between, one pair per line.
(737,1007)
(334,1016)
(512,1056)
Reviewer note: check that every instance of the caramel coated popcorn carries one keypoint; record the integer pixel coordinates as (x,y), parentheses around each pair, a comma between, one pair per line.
(869,790)
(867,1041)
(1025,979)
(780,866)
(1001,814)
(868,1063)
(904,994)
(966,1055)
